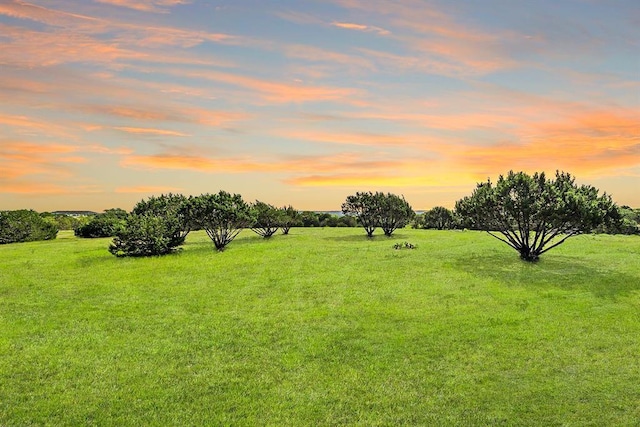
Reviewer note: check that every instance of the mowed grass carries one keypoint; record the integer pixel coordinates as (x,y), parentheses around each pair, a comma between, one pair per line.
(321,327)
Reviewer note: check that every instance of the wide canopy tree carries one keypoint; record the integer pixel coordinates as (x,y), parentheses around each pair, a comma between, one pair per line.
(533,214)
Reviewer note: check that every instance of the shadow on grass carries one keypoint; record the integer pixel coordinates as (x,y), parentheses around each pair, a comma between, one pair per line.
(363,238)
(551,272)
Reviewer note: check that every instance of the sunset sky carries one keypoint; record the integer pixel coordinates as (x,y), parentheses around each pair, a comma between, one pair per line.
(302,102)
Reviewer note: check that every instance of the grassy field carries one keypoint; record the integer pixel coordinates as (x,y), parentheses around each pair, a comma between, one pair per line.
(321,327)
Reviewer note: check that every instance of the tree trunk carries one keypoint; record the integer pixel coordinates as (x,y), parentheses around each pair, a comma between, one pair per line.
(528,255)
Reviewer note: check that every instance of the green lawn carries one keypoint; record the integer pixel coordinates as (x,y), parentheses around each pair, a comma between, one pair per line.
(321,327)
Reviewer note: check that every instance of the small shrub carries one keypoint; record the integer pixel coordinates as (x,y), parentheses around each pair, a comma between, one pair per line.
(405,245)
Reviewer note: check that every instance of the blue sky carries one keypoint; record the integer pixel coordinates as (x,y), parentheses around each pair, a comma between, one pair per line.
(305,102)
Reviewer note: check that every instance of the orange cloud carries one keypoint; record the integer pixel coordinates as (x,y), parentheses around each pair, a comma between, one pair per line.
(586,142)
(276,91)
(196,163)
(31,126)
(149,131)
(22,158)
(291,164)
(39,188)
(148,189)
(15,187)
(363,138)
(18,159)
(406,174)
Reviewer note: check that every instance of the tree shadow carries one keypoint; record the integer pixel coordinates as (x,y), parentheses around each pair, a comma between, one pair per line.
(551,272)
(363,238)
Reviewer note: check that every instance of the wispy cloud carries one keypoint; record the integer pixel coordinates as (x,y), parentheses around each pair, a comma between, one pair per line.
(273,91)
(24,10)
(361,27)
(158,6)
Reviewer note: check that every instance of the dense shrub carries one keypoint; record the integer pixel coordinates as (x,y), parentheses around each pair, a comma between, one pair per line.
(25,226)
(439,218)
(174,209)
(106,224)
(144,235)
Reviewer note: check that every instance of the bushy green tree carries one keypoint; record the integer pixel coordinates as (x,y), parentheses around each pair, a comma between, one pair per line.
(533,214)
(25,225)
(373,210)
(290,217)
(439,218)
(394,212)
(105,224)
(365,207)
(221,215)
(267,219)
(145,234)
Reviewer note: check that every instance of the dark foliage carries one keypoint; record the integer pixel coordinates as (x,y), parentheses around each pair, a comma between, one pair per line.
(25,226)
(629,222)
